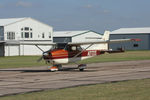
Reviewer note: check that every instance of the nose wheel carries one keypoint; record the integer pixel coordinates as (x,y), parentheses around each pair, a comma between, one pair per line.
(55,67)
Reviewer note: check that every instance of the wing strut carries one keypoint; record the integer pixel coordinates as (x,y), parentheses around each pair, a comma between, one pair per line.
(39,48)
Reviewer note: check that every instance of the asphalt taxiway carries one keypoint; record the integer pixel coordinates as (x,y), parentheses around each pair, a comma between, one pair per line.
(22,80)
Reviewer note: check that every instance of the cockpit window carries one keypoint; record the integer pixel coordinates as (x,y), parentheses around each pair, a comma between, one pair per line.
(73,48)
(60,46)
(67,47)
(79,48)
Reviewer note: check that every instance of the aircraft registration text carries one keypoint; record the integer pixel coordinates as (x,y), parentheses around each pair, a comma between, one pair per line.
(91,53)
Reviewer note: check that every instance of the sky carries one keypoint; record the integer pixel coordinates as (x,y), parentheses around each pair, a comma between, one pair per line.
(72,15)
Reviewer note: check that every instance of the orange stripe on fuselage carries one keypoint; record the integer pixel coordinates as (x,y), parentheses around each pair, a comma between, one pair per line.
(59,53)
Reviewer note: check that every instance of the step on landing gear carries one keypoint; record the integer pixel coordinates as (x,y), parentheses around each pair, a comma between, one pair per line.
(81,67)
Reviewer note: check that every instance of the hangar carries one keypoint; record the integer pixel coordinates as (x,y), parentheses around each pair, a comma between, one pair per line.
(79,36)
(124,33)
(26,30)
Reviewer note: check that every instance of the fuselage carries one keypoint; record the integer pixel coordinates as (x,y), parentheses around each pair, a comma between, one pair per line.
(61,56)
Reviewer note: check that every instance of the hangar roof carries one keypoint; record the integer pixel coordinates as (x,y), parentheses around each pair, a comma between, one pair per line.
(132,31)
(4,22)
(71,33)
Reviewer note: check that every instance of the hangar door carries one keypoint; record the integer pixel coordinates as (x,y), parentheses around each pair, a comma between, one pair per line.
(12,50)
(1,49)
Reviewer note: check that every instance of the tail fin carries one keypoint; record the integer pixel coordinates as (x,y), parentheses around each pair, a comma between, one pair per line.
(106,35)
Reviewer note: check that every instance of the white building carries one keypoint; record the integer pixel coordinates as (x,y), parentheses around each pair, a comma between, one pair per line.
(23,29)
(80,36)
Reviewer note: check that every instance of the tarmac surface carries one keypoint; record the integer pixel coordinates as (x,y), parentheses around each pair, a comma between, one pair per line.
(23,80)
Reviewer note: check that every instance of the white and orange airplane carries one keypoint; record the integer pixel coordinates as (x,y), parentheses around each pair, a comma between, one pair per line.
(63,53)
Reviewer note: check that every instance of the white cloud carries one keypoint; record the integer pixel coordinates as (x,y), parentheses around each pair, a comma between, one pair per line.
(23,4)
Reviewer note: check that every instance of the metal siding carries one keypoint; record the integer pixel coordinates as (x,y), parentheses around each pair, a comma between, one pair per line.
(62,39)
(143,45)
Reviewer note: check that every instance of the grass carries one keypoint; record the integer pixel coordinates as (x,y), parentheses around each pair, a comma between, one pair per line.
(127,90)
(126,56)
(20,61)
(31,61)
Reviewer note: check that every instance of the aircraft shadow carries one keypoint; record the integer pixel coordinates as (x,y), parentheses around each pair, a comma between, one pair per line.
(34,70)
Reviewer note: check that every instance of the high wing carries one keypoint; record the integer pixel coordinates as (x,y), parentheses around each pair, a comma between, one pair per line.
(101,42)
(104,39)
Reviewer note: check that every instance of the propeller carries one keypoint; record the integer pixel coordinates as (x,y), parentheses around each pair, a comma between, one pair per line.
(40,59)
(45,55)
(42,53)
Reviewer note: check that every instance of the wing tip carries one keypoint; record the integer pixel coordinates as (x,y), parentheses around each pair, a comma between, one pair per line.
(136,39)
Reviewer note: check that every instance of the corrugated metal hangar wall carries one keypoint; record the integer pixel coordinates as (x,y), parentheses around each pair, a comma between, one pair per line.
(142,33)
(144,44)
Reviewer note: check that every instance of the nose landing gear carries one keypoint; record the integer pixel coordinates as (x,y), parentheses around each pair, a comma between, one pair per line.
(55,67)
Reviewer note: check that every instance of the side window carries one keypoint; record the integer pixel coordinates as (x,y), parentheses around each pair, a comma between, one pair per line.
(79,48)
(73,48)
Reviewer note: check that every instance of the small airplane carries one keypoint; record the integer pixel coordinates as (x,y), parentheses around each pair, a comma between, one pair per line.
(64,53)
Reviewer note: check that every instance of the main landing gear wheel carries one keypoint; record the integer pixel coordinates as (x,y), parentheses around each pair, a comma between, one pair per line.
(81,67)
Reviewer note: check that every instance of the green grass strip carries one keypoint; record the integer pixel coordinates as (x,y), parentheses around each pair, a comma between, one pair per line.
(127,90)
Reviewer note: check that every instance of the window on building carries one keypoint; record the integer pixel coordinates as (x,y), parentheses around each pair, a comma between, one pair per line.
(43,35)
(22,35)
(30,34)
(26,28)
(26,34)
(10,35)
(49,34)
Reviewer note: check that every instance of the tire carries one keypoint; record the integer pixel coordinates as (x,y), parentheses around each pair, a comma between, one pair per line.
(81,70)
